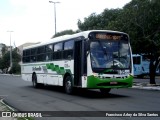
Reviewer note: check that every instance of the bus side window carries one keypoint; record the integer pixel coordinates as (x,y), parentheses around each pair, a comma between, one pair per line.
(41,57)
(57,47)
(28,52)
(24,53)
(33,51)
(33,59)
(26,59)
(33,55)
(26,56)
(49,50)
(57,54)
(41,53)
(68,49)
(48,56)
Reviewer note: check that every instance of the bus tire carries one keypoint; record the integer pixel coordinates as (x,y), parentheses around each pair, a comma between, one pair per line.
(34,81)
(105,90)
(68,85)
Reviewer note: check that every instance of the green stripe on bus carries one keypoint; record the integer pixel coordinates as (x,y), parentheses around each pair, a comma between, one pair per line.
(62,70)
(57,68)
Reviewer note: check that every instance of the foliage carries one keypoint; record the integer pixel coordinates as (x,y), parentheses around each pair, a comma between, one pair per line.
(4,49)
(65,32)
(100,21)
(92,22)
(5,62)
(143,17)
(139,18)
(16,68)
(1,64)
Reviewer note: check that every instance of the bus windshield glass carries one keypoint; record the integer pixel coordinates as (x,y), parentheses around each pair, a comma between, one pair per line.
(110,54)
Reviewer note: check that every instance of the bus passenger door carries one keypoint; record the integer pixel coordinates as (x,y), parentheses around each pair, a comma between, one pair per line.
(77,63)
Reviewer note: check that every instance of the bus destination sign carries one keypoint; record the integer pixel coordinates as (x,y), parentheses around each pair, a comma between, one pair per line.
(108,37)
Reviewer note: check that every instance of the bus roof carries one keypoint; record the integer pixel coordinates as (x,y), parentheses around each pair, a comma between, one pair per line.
(65,37)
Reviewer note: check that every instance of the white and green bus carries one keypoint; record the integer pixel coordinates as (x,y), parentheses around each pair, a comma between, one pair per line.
(95,59)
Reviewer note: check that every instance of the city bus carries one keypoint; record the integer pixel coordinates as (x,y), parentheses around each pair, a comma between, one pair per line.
(141,65)
(95,59)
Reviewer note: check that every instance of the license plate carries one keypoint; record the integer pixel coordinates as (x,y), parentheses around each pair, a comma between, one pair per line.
(113,83)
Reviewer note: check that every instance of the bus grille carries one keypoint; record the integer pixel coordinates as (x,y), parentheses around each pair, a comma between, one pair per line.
(108,84)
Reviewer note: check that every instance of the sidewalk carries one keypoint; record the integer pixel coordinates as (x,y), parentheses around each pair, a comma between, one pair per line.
(4,108)
(144,84)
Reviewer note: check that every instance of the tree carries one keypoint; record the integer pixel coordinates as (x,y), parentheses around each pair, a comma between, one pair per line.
(65,32)
(143,22)
(140,19)
(92,22)
(100,21)
(5,62)
(16,68)
(1,64)
(16,57)
(4,49)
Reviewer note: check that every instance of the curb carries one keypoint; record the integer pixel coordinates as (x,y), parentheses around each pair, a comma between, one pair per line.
(10,75)
(5,108)
(146,86)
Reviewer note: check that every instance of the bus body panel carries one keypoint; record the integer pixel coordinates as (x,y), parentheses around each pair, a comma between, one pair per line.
(49,73)
(141,65)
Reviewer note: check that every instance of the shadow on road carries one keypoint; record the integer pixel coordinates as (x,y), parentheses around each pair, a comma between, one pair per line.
(87,93)
(93,94)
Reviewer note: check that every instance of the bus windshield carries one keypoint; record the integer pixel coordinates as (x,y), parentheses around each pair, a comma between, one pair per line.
(108,54)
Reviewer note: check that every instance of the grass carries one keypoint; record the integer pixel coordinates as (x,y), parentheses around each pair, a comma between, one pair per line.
(6,108)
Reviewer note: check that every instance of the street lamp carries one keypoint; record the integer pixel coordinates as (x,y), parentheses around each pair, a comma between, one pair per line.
(10,50)
(54,12)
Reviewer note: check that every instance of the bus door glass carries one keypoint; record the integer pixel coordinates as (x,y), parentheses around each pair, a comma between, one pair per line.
(77,62)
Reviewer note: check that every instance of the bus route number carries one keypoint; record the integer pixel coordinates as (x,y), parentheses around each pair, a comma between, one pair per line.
(108,37)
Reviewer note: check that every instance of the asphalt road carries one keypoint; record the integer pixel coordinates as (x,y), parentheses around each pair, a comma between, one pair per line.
(22,96)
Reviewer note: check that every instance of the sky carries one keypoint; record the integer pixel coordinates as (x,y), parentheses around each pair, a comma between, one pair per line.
(33,20)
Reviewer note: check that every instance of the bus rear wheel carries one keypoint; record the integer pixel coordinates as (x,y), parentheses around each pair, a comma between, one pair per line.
(34,81)
(105,90)
(68,85)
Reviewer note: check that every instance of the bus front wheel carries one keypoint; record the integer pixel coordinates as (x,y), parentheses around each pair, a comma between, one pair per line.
(68,85)
(105,90)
